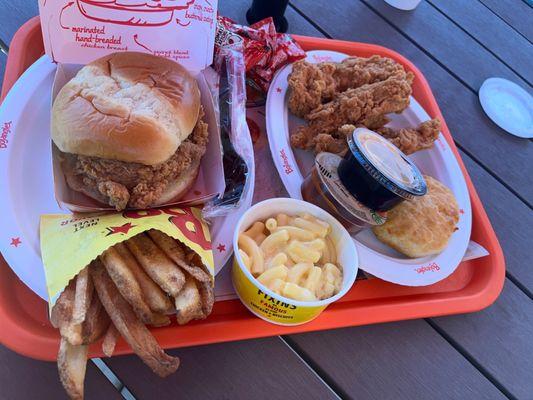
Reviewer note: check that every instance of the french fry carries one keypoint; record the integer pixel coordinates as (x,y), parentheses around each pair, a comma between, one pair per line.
(130,327)
(174,250)
(207,294)
(156,264)
(110,340)
(71,364)
(61,315)
(62,310)
(96,322)
(129,288)
(156,299)
(188,303)
(84,293)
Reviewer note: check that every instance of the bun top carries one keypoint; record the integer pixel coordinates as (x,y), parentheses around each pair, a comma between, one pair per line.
(128,106)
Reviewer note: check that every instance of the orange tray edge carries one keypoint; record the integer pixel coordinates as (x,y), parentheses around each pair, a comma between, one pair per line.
(477,284)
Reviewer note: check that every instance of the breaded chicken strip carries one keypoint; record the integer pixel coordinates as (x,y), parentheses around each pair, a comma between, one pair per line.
(365,105)
(311,85)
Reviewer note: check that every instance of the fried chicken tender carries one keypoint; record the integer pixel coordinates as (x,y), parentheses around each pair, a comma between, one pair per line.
(310,85)
(411,140)
(313,84)
(334,143)
(408,140)
(365,105)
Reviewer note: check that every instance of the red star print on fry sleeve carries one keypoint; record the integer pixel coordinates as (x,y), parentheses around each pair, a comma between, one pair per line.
(278,89)
(120,229)
(221,247)
(15,242)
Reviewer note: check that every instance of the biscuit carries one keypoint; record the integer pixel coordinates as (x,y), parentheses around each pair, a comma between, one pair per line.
(421,226)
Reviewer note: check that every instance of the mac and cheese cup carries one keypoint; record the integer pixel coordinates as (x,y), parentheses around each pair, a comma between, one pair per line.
(271,306)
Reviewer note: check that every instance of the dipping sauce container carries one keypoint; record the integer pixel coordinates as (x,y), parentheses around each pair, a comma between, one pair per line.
(323,188)
(377,173)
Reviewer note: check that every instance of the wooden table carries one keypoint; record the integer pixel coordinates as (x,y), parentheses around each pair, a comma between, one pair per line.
(489,354)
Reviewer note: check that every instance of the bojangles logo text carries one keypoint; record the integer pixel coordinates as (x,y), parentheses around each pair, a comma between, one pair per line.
(6,130)
(285,160)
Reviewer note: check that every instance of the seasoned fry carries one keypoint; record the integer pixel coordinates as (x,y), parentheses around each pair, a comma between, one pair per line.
(207,294)
(110,340)
(96,322)
(156,264)
(174,250)
(188,303)
(157,300)
(61,316)
(62,310)
(71,363)
(130,327)
(129,288)
(84,293)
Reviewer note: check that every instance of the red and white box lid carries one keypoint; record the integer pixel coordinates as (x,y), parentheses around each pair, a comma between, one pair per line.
(81,31)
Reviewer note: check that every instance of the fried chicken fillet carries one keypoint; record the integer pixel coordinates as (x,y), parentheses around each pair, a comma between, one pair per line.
(313,84)
(125,184)
(365,105)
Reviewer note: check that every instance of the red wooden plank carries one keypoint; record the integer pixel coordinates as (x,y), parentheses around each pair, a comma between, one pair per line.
(24,378)
(405,360)
(254,369)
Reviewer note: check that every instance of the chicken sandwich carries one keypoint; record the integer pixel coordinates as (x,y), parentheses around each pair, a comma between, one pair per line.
(130,131)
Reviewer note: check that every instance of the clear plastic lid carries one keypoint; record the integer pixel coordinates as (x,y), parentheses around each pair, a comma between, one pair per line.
(347,205)
(386,163)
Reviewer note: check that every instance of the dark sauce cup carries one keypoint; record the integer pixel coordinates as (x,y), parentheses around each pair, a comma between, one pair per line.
(377,173)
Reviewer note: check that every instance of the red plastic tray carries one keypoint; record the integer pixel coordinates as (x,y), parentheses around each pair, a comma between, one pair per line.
(473,286)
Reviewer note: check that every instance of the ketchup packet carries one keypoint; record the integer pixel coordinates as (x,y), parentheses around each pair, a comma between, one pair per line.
(265,50)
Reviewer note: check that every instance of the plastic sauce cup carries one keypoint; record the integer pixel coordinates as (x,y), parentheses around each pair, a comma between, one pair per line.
(271,306)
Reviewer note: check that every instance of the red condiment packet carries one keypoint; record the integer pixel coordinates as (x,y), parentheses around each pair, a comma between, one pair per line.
(265,50)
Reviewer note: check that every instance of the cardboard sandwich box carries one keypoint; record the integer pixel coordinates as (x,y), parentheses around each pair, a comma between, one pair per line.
(78,32)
